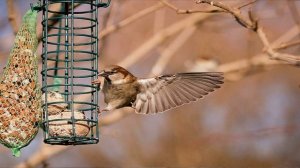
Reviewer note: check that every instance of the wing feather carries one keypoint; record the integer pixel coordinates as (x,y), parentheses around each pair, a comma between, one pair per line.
(158,101)
(190,89)
(180,94)
(163,100)
(197,87)
(204,88)
(173,93)
(152,104)
(168,91)
(185,91)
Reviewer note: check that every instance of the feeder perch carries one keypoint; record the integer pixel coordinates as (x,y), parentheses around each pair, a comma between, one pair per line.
(70,64)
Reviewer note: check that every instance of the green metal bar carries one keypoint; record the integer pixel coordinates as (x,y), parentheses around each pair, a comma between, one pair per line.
(66,7)
(97,68)
(61,41)
(45,33)
(57,80)
(72,67)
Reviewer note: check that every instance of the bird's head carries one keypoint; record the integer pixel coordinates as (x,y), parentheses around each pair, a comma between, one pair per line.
(117,75)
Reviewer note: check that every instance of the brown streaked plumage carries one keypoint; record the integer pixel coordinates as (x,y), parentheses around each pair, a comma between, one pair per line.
(153,95)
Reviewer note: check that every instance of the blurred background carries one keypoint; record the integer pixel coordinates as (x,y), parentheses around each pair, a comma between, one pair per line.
(252,121)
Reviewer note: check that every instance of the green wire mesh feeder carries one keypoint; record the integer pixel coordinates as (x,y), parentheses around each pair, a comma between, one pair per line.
(70,64)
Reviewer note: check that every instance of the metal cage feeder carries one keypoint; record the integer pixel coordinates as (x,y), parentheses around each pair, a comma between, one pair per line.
(70,64)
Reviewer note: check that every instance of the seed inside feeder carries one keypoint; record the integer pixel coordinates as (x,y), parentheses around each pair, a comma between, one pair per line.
(65,127)
(60,118)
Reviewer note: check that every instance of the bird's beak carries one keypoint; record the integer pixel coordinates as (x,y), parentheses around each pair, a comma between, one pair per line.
(103,74)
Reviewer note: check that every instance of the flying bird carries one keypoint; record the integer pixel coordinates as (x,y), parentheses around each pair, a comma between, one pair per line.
(154,95)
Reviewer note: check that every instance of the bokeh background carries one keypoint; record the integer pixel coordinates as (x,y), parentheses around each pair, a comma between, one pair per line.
(252,121)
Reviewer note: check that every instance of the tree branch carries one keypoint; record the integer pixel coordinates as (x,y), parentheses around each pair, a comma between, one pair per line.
(160,37)
(247,4)
(294,12)
(130,19)
(257,60)
(287,45)
(12,15)
(189,11)
(167,54)
(233,11)
(252,24)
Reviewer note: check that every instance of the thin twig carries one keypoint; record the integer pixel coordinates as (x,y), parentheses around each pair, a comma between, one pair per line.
(287,45)
(295,60)
(252,24)
(261,59)
(294,12)
(189,11)
(234,11)
(115,116)
(160,37)
(159,20)
(130,19)
(247,4)
(47,151)
(112,28)
(167,54)
(12,15)
(44,152)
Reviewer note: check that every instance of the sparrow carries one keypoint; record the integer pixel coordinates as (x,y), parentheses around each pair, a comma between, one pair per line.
(153,95)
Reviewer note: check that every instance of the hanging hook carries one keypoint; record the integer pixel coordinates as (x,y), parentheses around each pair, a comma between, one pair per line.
(37,6)
(103,4)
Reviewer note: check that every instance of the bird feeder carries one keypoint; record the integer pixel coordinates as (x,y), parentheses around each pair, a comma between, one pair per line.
(70,64)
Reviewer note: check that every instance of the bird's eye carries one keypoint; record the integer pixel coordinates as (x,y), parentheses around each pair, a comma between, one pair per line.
(110,72)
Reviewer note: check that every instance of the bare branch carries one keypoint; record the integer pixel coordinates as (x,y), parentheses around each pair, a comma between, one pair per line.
(45,151)
(130,19)
(12,15)
(189,11)
(234,11)
(275,55)
(287,45)
(252,24)
(167,54)
(247,4)
(160,37)
(294,12)
(111,28)
(261,59)
(115,116)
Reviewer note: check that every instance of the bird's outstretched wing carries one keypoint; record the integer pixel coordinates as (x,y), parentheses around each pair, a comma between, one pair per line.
(168,91)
